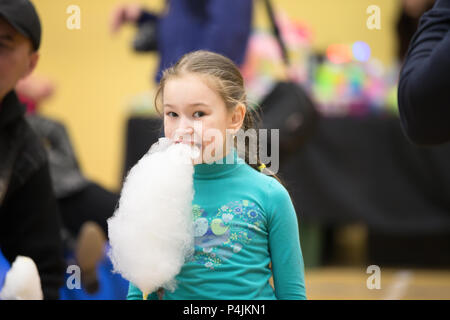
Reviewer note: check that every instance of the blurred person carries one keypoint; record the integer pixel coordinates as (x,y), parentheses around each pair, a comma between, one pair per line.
(84,205)
(221,26)
(29,218)
(423,93)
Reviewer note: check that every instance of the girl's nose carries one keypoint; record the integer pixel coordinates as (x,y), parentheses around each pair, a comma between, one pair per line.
(183,132)
(187,129)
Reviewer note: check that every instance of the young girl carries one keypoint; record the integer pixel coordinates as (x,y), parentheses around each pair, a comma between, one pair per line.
(245,225)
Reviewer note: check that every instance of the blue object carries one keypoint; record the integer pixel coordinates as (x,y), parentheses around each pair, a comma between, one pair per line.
(215,25)
(111,286)
(4,268)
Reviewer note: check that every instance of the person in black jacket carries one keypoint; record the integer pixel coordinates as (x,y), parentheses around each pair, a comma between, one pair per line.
(29,218)
(423,93)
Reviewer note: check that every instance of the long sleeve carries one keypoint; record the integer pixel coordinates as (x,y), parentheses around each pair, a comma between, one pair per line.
(134,293)
(32,228)
(284,245)
(65,172)
(424,98)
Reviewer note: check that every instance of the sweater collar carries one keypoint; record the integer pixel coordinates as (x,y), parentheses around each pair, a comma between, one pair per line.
(218,168)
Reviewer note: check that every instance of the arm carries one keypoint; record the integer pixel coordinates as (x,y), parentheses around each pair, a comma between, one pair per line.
(284,245)
(228,28)
(424,97)
(32,228)
(64,168)
(59,146)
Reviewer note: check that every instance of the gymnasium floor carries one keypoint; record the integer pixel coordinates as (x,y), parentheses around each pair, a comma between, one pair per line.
(343,283)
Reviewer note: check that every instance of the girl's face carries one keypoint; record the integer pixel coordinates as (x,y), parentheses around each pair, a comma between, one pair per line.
(196,114)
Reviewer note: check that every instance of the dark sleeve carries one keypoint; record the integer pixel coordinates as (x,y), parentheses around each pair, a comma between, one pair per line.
(59,146)
(424,87)
(228,28)
(31,228)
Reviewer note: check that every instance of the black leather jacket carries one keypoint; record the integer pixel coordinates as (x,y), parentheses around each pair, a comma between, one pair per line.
(65,172)
(29,218)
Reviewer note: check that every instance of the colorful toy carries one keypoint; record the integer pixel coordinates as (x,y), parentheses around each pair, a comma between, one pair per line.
(347,81)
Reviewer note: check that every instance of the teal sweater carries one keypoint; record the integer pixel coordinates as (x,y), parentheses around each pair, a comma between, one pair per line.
(243,220)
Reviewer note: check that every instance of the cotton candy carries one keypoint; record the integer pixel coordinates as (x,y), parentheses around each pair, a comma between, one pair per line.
(22,281)
(151,231)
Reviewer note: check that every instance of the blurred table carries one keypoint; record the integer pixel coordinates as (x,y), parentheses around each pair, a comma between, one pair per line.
(365,170)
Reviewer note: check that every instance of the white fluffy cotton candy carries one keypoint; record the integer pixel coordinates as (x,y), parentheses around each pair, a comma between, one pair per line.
(22,281)
(151,232)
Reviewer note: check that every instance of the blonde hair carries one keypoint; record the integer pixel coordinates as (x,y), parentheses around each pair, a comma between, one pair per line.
(225,77)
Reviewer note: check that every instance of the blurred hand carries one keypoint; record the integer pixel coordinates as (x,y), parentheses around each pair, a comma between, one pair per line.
(35,88)
(124,14)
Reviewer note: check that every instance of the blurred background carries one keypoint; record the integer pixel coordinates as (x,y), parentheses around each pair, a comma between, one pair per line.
(364,195)
(98,74)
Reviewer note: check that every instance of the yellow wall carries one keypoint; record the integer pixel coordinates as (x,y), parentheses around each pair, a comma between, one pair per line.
(96,73)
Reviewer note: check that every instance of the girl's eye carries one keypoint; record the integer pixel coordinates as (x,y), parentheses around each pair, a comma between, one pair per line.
(201,113)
